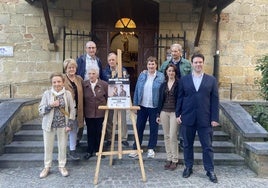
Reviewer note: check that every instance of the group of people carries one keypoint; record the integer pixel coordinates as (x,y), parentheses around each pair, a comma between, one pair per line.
(180,97)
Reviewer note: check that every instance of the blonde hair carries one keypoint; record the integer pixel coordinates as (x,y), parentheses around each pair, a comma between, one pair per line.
(69,61)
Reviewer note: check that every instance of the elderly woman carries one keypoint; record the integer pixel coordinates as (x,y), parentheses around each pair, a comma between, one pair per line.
(95,94)
(58,110)
(167,117)
(73,83)
(146,95)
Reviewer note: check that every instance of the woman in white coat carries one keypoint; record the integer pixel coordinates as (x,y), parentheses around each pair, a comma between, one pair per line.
(58,110)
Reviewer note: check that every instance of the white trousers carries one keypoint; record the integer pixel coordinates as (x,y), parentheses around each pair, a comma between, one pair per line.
(73,136)
(49,138)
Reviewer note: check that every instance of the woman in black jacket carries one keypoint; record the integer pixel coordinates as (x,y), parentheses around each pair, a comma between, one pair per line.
(167,117)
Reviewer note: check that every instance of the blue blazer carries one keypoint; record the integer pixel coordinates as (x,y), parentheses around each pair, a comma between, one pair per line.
(81,67)
(198,107)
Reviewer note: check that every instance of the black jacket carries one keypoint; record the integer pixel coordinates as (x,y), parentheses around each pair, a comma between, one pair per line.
(162,95)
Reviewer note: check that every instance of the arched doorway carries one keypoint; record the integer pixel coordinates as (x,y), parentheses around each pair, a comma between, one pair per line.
(145,13)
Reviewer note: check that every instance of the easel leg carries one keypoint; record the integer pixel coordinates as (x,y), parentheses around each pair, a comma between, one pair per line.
(113,136)
(119,134)
(138,145)
(101,147)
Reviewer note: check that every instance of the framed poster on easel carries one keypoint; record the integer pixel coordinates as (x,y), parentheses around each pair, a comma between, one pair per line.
(119,93)
(118,100)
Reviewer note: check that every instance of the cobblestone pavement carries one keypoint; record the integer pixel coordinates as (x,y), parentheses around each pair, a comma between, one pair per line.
(126,173)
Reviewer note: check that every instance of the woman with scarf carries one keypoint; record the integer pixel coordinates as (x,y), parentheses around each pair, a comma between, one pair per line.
(58,110)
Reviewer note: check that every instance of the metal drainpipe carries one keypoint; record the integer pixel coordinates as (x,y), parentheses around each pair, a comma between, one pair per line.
(217,55)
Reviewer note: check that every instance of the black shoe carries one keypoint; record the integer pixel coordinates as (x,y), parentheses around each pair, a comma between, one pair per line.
(187,172)
(107,143)
(212,177)
(125,143)
(77,143)
(88,155)
(73,155)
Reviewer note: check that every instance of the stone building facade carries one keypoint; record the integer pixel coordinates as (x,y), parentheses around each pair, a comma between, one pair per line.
(243,39)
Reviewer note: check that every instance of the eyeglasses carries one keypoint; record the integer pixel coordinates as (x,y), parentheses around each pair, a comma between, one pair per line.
(91,47)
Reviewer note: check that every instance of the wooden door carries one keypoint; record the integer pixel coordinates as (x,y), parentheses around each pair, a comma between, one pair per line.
(144,13)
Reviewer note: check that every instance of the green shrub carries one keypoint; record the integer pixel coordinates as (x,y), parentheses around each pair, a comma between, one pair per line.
(260,114)
(262,65)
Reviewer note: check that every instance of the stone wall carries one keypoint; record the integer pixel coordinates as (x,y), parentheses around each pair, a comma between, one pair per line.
(243,39)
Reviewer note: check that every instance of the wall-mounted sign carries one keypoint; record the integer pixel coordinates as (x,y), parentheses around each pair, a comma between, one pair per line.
(6,51)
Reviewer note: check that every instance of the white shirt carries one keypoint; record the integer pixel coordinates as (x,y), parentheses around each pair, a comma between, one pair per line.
(93,84)
(147,98)
(197,81)
(90,63)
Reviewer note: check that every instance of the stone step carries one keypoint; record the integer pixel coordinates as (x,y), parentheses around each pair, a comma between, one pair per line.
(38,146)
(23,160)
(36,125)
(37,135)
(27,148)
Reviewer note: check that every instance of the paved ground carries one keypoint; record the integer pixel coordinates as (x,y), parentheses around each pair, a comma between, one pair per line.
(126,173)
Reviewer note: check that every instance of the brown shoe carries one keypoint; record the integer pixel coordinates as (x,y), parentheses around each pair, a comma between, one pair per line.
(64,172)
(173,166)
(44,172)
(167,165)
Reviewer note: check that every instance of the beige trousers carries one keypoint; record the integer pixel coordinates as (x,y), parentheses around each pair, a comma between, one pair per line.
(49,138)
(170,128)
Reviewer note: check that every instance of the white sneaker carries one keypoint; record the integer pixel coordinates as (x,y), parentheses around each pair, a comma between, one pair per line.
(151,153)
(133,155)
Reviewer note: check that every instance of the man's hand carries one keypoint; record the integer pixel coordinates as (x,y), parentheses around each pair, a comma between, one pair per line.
(214,124)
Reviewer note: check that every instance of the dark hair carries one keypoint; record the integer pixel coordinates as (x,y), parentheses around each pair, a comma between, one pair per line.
(197,55)
(175,69)
(152,58)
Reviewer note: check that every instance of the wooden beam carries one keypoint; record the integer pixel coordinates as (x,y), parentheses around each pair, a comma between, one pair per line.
(201,22)
(48,22)
(219,5)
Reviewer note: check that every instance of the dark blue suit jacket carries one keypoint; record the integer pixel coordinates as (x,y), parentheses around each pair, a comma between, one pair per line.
(200,106)
(81,67)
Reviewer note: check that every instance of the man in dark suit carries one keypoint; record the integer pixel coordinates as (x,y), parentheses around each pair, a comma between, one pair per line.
(88,60)
(84,63)
(197,110)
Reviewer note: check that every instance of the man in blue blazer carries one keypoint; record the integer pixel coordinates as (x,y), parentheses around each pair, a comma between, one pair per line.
(84,63)
(197,110)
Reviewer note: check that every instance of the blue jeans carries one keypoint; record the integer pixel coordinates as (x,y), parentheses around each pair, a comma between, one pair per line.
(142,116)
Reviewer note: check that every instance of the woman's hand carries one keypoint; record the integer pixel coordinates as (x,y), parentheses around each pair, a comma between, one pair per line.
(67,129)
(179,120)
(55,103)
(158,120)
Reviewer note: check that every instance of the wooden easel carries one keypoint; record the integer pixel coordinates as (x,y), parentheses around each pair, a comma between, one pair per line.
(120,152)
